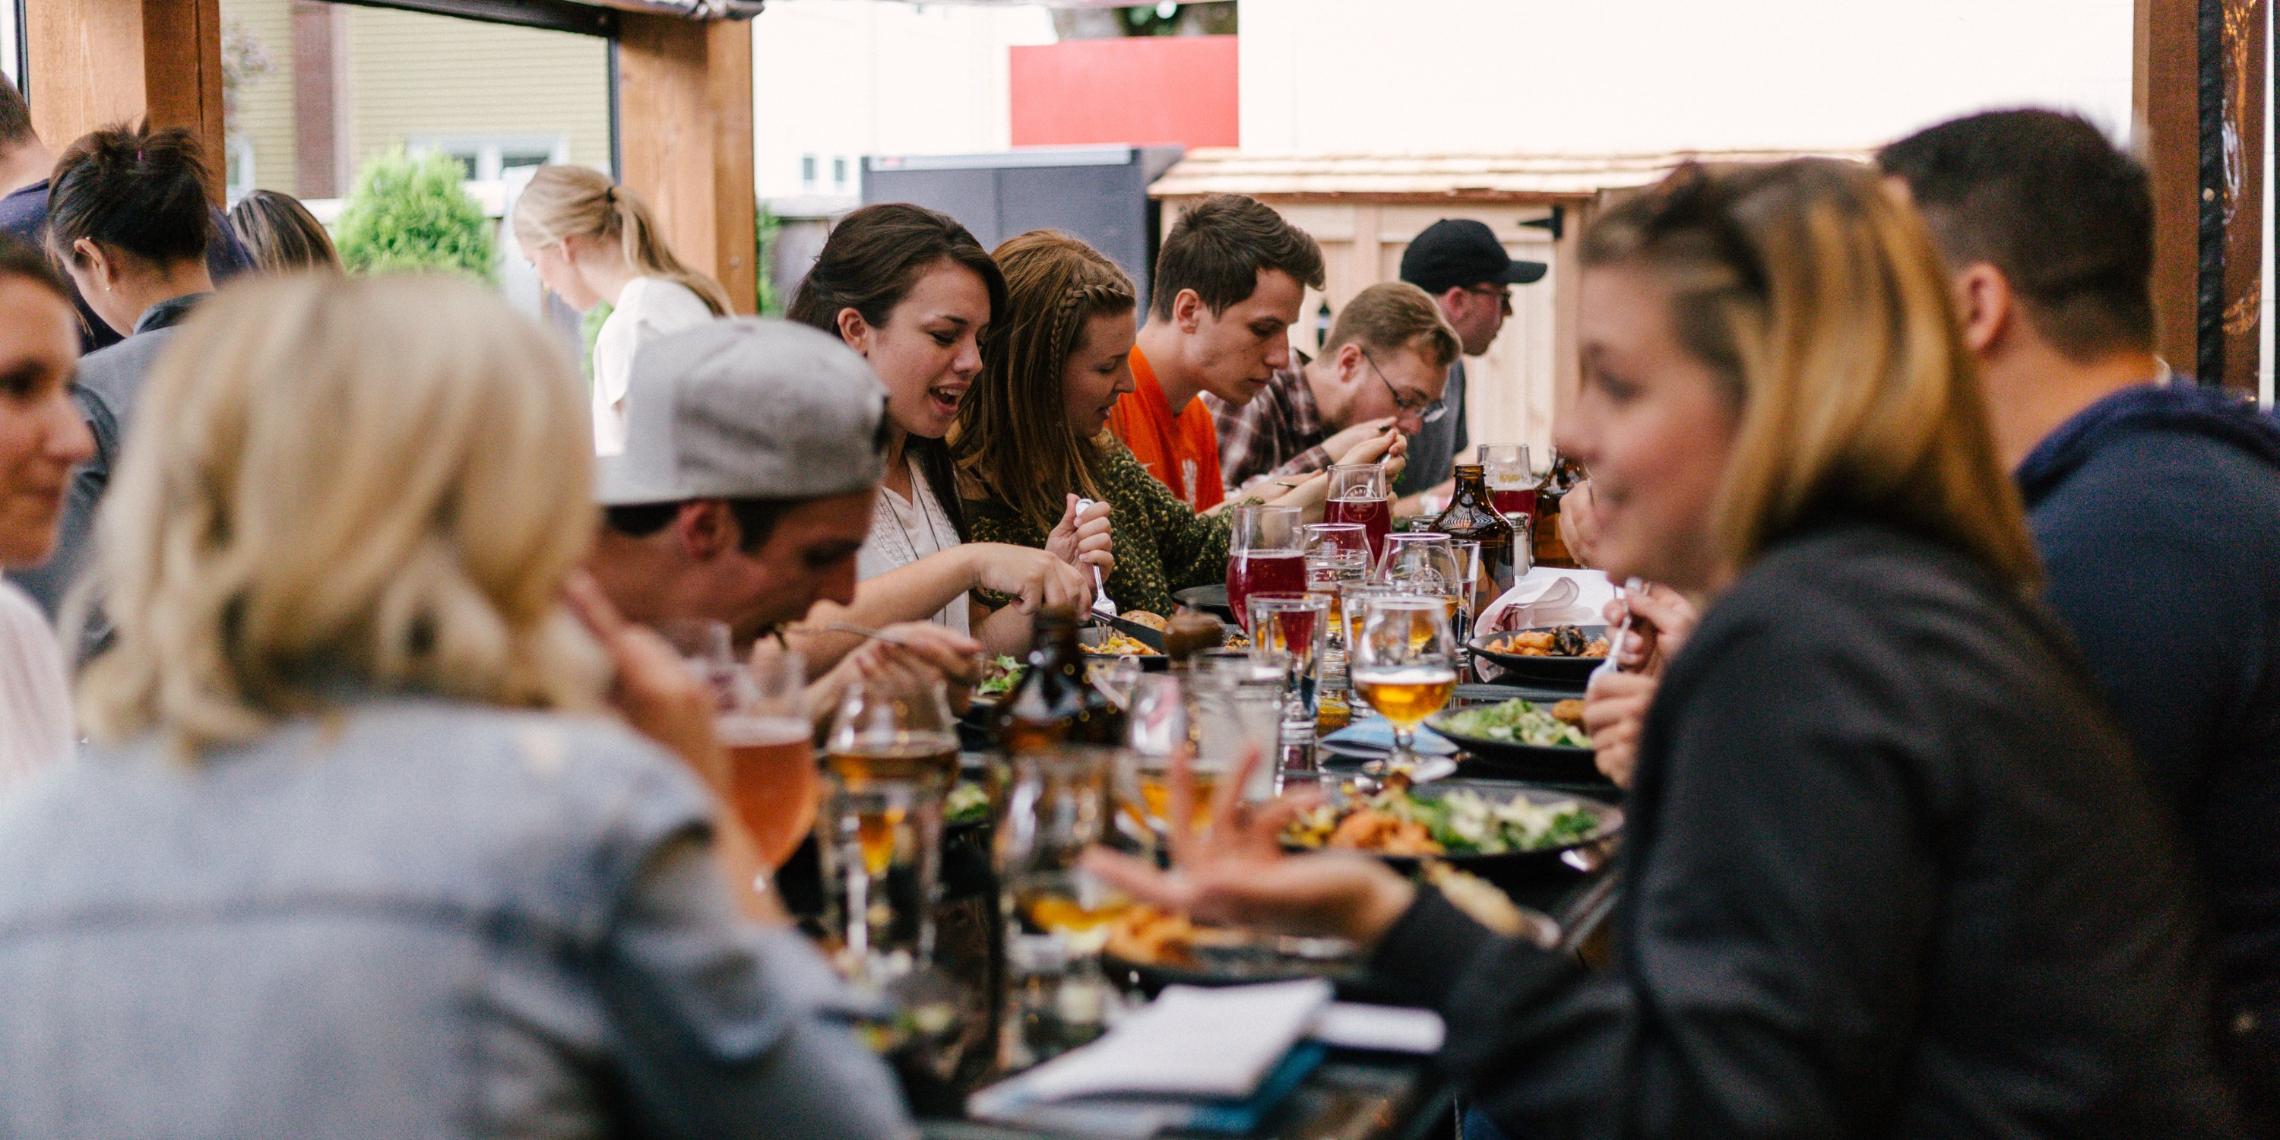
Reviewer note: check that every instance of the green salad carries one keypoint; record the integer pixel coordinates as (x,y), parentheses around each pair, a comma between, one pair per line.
(1459,822)
(968,803)
(1515,721)
(999,677)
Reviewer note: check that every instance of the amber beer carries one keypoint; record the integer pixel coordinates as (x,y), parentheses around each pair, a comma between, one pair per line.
(772,780)
(1406,694)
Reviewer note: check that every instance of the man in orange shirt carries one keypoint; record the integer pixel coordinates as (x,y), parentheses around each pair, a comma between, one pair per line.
(1229,279)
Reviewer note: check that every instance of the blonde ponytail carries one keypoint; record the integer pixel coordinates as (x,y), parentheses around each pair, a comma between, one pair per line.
(577,201)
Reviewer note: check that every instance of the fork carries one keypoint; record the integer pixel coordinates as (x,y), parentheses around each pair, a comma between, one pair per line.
(1101,606)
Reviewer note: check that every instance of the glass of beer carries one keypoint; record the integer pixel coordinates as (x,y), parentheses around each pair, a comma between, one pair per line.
(772,780)
(889,761)
(1057,916)
(1405,666)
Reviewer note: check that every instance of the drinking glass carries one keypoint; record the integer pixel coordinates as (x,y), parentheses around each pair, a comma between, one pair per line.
(1287,632)
(1263,555)
(1156,726)
(1360,493)
(1405,666)
(772,779)
(890,758)
(1057,916)
(1510,486)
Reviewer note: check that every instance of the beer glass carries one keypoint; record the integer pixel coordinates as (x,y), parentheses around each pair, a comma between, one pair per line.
(1405,666)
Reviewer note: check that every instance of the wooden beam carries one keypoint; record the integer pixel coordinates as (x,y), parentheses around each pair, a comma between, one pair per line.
(96,63)
(685,137)
(2166,94)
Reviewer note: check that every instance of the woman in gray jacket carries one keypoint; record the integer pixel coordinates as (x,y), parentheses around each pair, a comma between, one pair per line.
(361,851)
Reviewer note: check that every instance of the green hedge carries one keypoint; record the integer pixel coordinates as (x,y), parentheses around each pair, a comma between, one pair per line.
(411,214)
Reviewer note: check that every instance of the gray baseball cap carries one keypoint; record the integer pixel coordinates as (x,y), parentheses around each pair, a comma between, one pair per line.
(750,408)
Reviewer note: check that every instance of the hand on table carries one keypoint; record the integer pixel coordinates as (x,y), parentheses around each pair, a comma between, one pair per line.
(1083,539)
(1234,870)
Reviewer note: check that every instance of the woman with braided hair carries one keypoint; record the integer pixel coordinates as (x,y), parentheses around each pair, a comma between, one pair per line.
(1033,429)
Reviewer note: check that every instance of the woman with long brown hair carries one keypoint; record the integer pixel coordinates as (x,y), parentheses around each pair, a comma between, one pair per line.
(1032,433)
(595,242)
(1890,868)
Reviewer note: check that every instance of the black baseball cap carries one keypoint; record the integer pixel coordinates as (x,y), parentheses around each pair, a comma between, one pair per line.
(1456,252)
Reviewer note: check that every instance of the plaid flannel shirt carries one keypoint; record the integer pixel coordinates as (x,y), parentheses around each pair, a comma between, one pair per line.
(1278,434)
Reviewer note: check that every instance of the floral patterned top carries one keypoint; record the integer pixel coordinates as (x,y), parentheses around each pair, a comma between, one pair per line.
(1161,545)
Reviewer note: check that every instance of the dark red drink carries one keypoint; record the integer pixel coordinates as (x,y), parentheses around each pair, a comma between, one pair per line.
(1375,515)
(1263,572)
(1515,502)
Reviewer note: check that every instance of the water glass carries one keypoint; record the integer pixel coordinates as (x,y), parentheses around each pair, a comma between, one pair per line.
(890,758)
(1057,916)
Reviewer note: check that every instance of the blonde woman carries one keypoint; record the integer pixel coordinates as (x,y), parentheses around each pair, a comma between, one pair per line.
(281,234)
(594,242)
(41,438)
(359,851)
(1891,870)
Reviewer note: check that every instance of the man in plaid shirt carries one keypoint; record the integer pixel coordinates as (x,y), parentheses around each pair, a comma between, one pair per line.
(1377,382)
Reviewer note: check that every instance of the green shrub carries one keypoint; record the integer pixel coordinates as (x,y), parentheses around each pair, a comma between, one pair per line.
(408,213)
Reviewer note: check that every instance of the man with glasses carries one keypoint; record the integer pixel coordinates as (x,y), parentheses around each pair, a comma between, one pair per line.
(1378,382)
(1461,264)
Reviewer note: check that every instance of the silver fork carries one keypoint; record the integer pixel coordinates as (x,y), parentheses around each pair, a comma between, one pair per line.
(1101,603)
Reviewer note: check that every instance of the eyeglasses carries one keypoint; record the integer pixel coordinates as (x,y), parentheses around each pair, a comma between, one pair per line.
(1503,296)
(1427,411)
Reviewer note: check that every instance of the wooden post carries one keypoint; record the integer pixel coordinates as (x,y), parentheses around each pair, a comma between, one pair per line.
(685,136)
(96,63)
(2165,86)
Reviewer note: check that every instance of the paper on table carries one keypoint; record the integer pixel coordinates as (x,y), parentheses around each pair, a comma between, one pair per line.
(1383,1028)
(1202,1044)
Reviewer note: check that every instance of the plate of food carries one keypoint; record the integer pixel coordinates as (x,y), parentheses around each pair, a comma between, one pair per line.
(1494,833)
(1532,738)
(1101,641)
(1562,654)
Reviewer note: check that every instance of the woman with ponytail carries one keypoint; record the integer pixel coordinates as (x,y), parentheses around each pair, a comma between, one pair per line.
(595,242)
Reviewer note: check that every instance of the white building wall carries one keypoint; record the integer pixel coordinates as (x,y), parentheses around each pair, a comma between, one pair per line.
(1599,76)
(842,79)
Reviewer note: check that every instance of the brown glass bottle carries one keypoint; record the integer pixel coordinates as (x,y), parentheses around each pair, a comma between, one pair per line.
(1055,703)
(1551,549)
(1472,517)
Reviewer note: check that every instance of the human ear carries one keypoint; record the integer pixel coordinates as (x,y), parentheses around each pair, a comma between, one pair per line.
(855,331)
(1984,305)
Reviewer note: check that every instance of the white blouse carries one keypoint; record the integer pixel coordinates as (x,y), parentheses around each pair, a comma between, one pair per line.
(35,699)
(647,308)
(906,530)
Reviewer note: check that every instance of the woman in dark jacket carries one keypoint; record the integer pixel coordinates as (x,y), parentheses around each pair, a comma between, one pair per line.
(1891,870)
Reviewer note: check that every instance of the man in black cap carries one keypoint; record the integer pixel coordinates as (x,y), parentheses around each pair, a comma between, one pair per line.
(1460,262)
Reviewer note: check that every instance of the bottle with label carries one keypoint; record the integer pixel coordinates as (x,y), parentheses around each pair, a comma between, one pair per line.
(1472,517)
(1551,549)
(1055,702)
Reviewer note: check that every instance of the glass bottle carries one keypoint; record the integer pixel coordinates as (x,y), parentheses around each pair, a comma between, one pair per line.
(1472,517)
(1055,702)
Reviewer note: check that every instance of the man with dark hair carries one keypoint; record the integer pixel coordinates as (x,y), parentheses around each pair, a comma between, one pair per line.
(2156,505)
(26,162)
(1462,265)
(745,488)
(1229,280)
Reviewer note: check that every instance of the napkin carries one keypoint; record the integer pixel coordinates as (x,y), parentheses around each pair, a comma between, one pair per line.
(1546,595)
(1191,1043)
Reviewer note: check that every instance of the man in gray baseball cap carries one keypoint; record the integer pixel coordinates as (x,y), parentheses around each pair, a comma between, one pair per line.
(753,450)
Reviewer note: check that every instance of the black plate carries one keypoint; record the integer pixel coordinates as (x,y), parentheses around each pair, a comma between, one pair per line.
(1518,866)
(1095,634)
(1519,761)
(1210,599)
(1552,670)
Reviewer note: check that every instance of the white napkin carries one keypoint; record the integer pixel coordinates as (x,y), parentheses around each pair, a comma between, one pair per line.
(1190,1043)
(1546,595)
